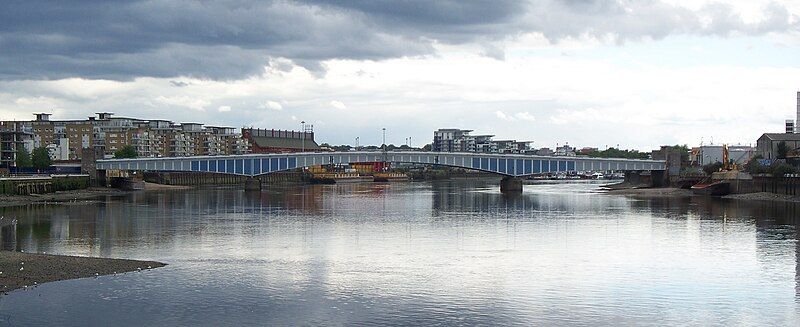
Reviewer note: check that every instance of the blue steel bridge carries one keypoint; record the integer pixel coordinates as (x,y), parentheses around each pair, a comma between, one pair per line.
(509,165)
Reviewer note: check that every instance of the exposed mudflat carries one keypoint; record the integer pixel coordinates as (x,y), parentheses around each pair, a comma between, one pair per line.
(20,270)
(659,192)
(88,195)
(764,196)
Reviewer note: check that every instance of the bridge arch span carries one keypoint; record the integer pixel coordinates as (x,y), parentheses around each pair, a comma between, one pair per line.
(513,165)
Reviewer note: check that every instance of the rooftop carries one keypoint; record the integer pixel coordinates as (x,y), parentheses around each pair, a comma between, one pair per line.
(781,136)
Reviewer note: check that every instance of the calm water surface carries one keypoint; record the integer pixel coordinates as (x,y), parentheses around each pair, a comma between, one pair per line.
(446,253)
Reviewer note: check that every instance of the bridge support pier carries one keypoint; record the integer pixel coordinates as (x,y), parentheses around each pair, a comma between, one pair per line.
(510,185)
(252,184)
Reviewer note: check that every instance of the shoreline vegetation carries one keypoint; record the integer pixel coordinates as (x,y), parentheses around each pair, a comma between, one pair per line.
(19,270)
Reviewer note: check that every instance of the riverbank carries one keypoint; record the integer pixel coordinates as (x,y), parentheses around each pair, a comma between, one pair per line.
(764,196)
(662,192)
(88,195)
(672,192)
(21,270)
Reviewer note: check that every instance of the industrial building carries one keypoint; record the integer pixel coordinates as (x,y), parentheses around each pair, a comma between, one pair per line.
(738,154)
(278,141)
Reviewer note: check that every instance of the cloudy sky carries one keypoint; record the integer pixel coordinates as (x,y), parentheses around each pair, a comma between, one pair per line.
(583,72)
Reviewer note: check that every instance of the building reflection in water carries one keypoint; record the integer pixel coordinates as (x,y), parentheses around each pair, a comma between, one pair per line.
(167,219)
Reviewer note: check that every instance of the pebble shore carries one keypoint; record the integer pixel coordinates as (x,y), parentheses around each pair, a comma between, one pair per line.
(20,270)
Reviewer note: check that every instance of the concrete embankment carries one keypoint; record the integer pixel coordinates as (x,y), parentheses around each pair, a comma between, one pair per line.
(21,270)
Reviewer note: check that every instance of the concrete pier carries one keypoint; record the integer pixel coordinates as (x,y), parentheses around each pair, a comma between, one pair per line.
(252,184)
(511,185)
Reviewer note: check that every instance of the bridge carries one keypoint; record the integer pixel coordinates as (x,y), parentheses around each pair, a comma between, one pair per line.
(510,166)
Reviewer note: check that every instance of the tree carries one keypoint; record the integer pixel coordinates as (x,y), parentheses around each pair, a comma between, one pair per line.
(754,166)
(23,158)
(427,147)
(783,150)
(126,152)
(617,153)
(40,159)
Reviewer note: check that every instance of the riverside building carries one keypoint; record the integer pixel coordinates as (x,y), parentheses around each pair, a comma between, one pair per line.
(104,134)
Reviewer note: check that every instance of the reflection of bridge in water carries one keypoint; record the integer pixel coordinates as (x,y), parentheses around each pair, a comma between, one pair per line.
(510,166)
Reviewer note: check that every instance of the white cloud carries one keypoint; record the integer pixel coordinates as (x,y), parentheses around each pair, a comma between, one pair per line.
(338,105)
(184,101)
(503,116)
(525,116)
(224,109)
(272,105)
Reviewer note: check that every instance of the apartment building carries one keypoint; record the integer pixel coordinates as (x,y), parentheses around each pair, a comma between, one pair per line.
(105,134)
(460,140)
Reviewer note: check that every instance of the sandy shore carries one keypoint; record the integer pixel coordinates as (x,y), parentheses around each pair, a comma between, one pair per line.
(20,270)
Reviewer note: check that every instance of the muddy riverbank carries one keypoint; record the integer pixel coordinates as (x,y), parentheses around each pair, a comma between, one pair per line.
(22,270)
(66,197)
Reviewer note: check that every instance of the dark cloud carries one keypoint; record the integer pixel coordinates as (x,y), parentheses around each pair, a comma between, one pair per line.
(123,39)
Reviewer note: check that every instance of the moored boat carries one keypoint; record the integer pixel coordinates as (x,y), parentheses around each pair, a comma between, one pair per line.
(721,187)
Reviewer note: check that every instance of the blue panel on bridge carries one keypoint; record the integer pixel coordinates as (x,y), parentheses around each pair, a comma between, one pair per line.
(493,164)
(502,165)
(476,163)
(264,166)
(212,165)
(239,166)
(248,166)
(273,164)
(528,167)
(562,166)
(282,163)
(292,163)
(229,166)
(570,165)
(256,166)
(552,166)
(484,163)
(537,166)
(518,167)
(204,165)
(195,165)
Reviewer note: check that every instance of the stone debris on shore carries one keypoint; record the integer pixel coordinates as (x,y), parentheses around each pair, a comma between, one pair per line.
(764,196)
(22,270)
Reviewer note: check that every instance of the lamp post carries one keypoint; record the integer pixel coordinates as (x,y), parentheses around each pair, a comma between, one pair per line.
(384,138)
(303,136)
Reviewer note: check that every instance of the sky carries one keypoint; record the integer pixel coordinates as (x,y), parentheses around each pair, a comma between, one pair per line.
(637,74)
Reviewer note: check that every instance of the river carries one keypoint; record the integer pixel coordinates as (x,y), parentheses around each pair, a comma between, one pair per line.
(451,252)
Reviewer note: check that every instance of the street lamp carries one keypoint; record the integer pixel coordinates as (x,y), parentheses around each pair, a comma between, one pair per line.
(384,138)
(303,135)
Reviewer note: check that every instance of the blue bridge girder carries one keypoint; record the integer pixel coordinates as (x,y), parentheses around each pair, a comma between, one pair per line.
(515,165)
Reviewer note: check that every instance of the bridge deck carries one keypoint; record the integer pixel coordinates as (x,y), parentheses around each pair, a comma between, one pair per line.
(258,164)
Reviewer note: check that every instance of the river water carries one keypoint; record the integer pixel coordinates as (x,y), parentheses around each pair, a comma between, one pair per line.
(447,253)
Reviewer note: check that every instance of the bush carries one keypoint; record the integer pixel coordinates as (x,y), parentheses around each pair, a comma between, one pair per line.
(754,167)
(779,169)
(712,168)
(126,152)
